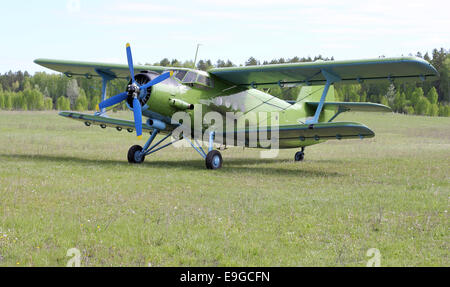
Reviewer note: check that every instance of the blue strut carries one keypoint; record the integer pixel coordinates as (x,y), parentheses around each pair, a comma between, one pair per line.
(331,78)
(106,77)
(199,148)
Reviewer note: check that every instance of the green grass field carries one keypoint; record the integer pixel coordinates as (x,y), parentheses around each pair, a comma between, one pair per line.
(64,185)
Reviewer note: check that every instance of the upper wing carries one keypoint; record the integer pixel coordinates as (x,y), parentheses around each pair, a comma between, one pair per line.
(311,73)
(90,69)
(353,107)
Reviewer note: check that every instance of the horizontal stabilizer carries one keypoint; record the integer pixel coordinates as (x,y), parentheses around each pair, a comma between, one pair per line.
(337,130)
(353,106)
(296,135)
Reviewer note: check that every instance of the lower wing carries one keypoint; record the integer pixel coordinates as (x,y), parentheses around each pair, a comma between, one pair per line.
(104,122)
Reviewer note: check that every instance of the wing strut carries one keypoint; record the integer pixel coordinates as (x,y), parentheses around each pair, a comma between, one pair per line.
(331,79)
(106,77)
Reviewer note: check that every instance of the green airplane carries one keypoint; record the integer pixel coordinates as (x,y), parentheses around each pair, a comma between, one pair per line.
(189,104)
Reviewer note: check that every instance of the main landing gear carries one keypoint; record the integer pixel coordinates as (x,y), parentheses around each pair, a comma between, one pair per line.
(300,155)
(213,159)
(137,154)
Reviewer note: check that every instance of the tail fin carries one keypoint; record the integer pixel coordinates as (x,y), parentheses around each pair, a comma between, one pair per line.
(313,94)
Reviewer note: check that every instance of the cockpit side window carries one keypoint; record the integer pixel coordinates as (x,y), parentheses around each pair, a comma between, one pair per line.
(179,74)
(190,77)
(204,80)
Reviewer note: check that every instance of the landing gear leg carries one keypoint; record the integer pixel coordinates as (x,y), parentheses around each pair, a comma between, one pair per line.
(213,159)
(137,154)
(300,155)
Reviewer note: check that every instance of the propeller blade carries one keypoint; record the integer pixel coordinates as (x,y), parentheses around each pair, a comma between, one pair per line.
(157,80)
(137,111)
(130,62)
(112,101)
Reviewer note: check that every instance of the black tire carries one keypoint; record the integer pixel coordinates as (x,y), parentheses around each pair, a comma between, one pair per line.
(132,158)
(299,156)
(214,160)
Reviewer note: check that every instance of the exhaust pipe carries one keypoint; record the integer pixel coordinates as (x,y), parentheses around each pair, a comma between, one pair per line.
(180,104)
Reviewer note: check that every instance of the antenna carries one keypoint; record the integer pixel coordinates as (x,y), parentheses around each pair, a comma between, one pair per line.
(195,60)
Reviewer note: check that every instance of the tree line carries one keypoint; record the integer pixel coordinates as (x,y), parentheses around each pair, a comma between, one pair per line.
(42,91)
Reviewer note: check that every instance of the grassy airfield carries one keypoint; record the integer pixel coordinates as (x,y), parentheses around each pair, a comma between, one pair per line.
(63,185)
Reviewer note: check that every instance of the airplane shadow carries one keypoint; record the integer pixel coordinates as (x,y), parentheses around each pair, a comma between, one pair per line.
(231,165)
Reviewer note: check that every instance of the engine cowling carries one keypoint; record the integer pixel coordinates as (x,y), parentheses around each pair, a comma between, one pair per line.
(141,79)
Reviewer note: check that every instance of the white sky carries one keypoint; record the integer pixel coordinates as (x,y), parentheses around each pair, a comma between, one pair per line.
(230,29)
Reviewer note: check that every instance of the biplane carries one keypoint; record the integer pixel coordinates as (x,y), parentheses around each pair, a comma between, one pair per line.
(158,93)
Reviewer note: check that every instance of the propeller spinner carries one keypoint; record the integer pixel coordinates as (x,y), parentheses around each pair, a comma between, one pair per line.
(133,90)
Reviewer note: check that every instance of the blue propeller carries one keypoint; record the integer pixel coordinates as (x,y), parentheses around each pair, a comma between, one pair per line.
(112,101)
(133,90)
(137,111)
(130,63)
(157,80)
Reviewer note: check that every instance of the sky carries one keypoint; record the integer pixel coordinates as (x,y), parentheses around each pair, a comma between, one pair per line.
(230,29)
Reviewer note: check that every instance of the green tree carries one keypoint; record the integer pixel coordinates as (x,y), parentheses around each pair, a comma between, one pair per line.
(94,101)
(409,110)
(8,101)
(63,103)
(432,96)
(433,110)
(444,111)
(416,95)
(34,99)
(422,106)
(251,62)
(399,102)
(20,102)
(48,103)
(444,84)
(164,62)
(15,86)
(363,97)
(384,100)
(81,103)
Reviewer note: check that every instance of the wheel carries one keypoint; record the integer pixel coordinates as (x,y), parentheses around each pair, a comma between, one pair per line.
(299,156)
(134,154)
(214,160)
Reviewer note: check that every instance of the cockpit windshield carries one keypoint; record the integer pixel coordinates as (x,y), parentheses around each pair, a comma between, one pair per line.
(193,77)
